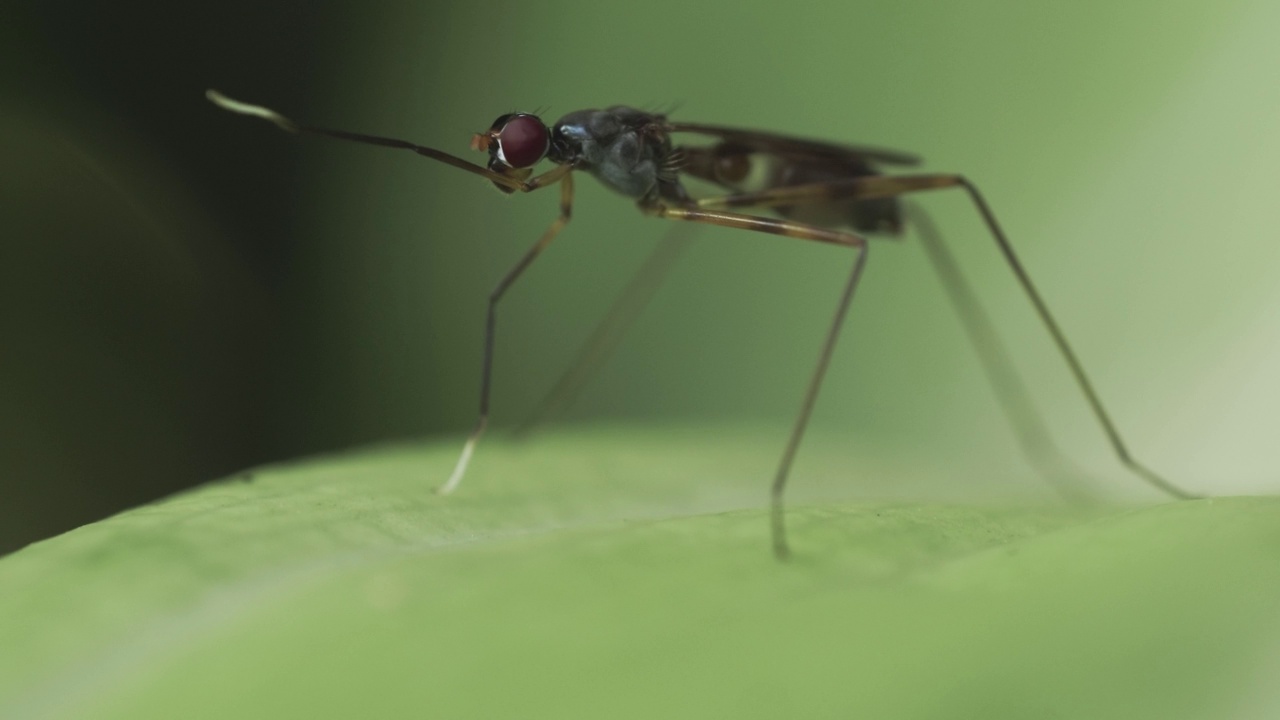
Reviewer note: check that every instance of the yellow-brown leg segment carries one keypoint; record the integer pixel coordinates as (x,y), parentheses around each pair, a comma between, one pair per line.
(566,211)
(864,187)
(787,228)
(879,186)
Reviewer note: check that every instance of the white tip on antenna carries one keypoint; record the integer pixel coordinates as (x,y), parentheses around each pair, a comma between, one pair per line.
(242,108)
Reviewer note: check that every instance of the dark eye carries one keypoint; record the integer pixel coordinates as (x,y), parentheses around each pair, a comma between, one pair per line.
(522,141)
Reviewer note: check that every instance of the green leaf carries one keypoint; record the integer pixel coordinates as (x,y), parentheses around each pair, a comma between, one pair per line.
(625,573)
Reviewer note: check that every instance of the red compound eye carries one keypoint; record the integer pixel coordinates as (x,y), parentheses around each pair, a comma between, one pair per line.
(523,140)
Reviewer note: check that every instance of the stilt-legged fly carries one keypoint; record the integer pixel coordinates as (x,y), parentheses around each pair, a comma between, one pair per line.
(819,191)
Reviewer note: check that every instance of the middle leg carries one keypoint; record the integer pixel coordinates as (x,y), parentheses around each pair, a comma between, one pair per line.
(787,228)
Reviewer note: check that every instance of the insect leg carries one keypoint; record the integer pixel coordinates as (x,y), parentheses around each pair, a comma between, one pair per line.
(791,229)
(874,186)
(566,211)
(1025,422)
(608,333)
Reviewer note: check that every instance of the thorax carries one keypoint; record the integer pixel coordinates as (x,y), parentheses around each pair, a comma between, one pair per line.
(624,148)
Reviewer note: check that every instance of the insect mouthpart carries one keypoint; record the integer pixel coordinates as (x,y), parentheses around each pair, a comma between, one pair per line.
(497,165)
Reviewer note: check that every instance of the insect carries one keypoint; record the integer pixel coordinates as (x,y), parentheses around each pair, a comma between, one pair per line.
(817,191)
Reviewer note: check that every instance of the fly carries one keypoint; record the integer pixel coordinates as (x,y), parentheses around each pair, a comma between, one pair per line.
(819,191)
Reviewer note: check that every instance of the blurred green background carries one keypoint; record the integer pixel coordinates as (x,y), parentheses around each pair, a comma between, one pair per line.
(186,293)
